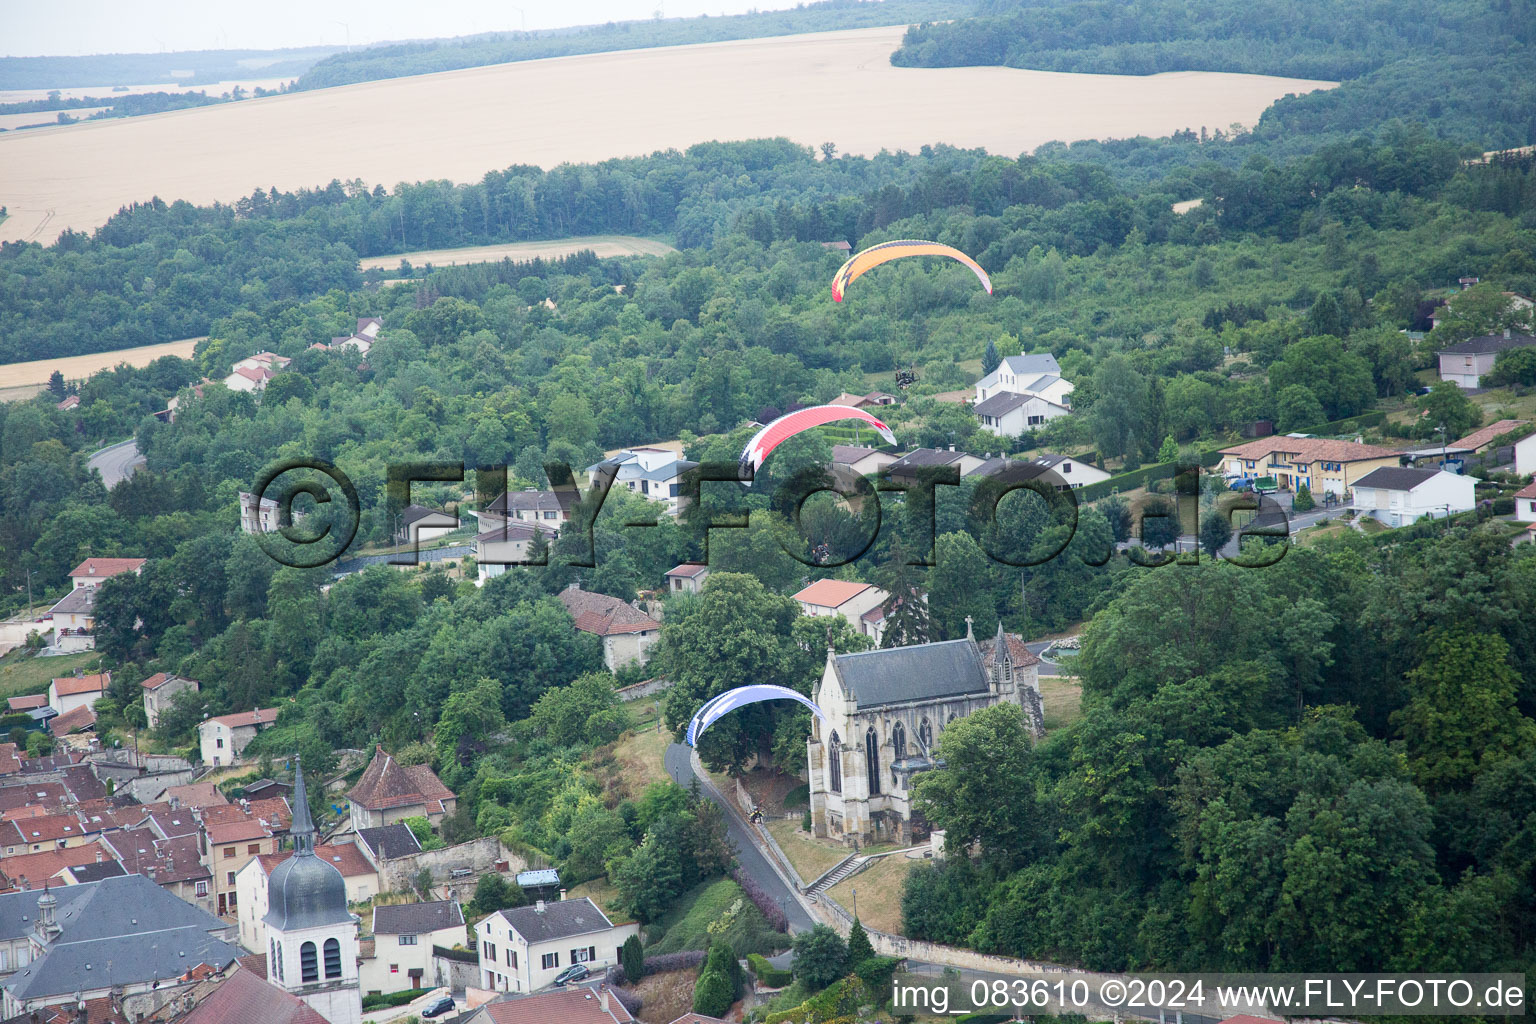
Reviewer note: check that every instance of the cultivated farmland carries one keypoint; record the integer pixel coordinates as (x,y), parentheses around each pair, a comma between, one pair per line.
(602,245)
(17,375)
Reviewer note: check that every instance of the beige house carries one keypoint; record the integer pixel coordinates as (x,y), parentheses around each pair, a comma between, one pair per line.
(251,903)
(524,949)
(230,847)
(860,461)
(222,739)
(841,597)
(885,711)
(1321,465)
(92,571)
(71,692)
(403,937)
(158,691)
(687,578)
(628,633)
(390,792)
(502,543)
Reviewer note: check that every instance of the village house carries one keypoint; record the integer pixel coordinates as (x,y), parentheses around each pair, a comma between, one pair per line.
(1397,496)
(871,400)
(1525,504)
(1026,375)
(175,862)
(1007,414)
(858,460)
(77,691)
(502,543)
(1321,465)
(74,621)
(158,691)
(92,571)
(1465,363)
(246,995)
(390,792)
(419,523)
(222,739)
(846,598)
(1517,302)
(687,578)
(549,507)
(249,379)
(579,1004)
(258,515)
(628,634)
(1074,473)
(403,937)
(1525,455)
(387,842)
(656,473)
(885,710)
(252,894)
(907,468)
(230,847)
(523,949)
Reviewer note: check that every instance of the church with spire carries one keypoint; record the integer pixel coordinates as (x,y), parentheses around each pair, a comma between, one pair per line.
(312,936)
(886,710)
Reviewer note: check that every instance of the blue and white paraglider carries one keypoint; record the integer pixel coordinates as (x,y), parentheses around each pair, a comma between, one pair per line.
(718,707)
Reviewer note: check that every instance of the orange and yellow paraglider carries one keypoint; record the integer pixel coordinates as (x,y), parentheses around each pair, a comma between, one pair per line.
(887,251)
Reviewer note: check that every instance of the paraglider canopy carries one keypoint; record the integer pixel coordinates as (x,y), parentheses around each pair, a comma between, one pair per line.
(718,707)
(787,426)
(885,252)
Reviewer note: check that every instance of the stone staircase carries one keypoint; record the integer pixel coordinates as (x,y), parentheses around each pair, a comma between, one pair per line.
(850,865)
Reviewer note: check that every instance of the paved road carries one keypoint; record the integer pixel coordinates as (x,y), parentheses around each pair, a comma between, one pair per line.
(752,861)
(117,462)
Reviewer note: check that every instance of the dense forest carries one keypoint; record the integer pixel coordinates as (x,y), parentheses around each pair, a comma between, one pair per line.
(1325,763)
(127,69)
(423,58)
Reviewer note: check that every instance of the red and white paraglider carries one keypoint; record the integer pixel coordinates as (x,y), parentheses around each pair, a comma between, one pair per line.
(787,426)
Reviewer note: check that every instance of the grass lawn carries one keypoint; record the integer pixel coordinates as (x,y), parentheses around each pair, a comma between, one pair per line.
(1373,526)
(21,673)
(603,893)
(811,857)
(640,756)
(723,905)
(1314,534)
(1063,700)
(879,892)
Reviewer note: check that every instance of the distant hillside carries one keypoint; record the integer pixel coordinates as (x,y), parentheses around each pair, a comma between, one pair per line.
(152,68)
(400,60)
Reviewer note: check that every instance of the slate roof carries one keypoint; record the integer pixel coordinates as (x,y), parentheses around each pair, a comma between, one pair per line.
(848,454)
(558,920)
(1002,403)
(146,932)
(1489,343)
(417,918)
(1397,478)
(899,675)
(533,501)
(924,457)
(604,615)
(1023,366)
(497,530)
(96,872)
(389,841)
(245,997)
(416,513)
(386,783)
(80,601)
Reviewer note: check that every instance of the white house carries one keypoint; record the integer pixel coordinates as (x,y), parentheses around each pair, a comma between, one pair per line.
(403,937)
(223,738)
(419,523)
(74,620)
(249,378)
(1525,455)
(841,597)
(1074,472)
(92,571)
(504,542)
(524,949)
(656,473)
(1026,375)
(1401,496)
(688,577)
(1525,504)
(70,692)
(1007,414)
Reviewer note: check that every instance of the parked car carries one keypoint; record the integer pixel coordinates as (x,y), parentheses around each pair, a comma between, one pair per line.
(576,972)
(439,1006)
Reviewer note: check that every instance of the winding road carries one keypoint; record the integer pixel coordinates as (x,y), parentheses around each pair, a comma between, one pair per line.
(116,462)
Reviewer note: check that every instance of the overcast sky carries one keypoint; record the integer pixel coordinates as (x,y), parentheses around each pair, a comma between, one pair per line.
(31,29)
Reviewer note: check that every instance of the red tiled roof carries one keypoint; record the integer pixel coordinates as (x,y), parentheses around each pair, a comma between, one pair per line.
(1309,449)
(103,568)
(37,868)
(27,703)
(247,998)
(10,758)
(72,721)
(97,1011)
(66,686)
(1478,438)
(349,860)
(570,1006)
(256,963)
(45,828)
(197,794)
(237,832)
(831,593)
(159,679)
(688,569)
(33,794)
(241,719)
(1528,491)
(273,810)
(604,615)
(386,783)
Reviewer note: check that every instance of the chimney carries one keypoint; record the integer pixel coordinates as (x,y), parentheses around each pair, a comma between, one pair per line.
(562,895)
(602,997)
(538,908)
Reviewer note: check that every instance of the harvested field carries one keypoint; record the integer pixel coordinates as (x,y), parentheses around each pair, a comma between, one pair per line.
(18,375)
(829,86)
(603,245)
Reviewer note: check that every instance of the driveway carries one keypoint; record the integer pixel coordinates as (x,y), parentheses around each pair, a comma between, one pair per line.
(411,1009)
(752,861)
(116,462)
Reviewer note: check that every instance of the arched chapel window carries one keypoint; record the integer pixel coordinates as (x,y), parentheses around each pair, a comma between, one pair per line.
(835,764)
(872,757)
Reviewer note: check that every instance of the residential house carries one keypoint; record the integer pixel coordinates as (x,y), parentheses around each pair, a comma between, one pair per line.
(265,360)
(874,398)
(247,996)
(1398,496)
(1525,455)
(195,795)
(174,863)
(74,621)
(1074,473)
(33,870)
(168,414)
(1525,504)
(548,507)
(403,937)
(252,889)
(231,846)
(860,461)
(78,720)
(502,543)
(1022,375)
(656,473)
(78,691)
(1464,363)
(31,702)
(158,691)
(580,1004)
(522,949)
(258,515)
(69,934)
(265,788)
(1323,466)
(419,523)
(628,634)
(92,571)
(1483,436)
(1516,302)
(841,597)
(387,842)
(45,832)
(390,792)
(687,578)
(70,402)
(249,379)
(222,739)
(906,468)
(1008,414)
